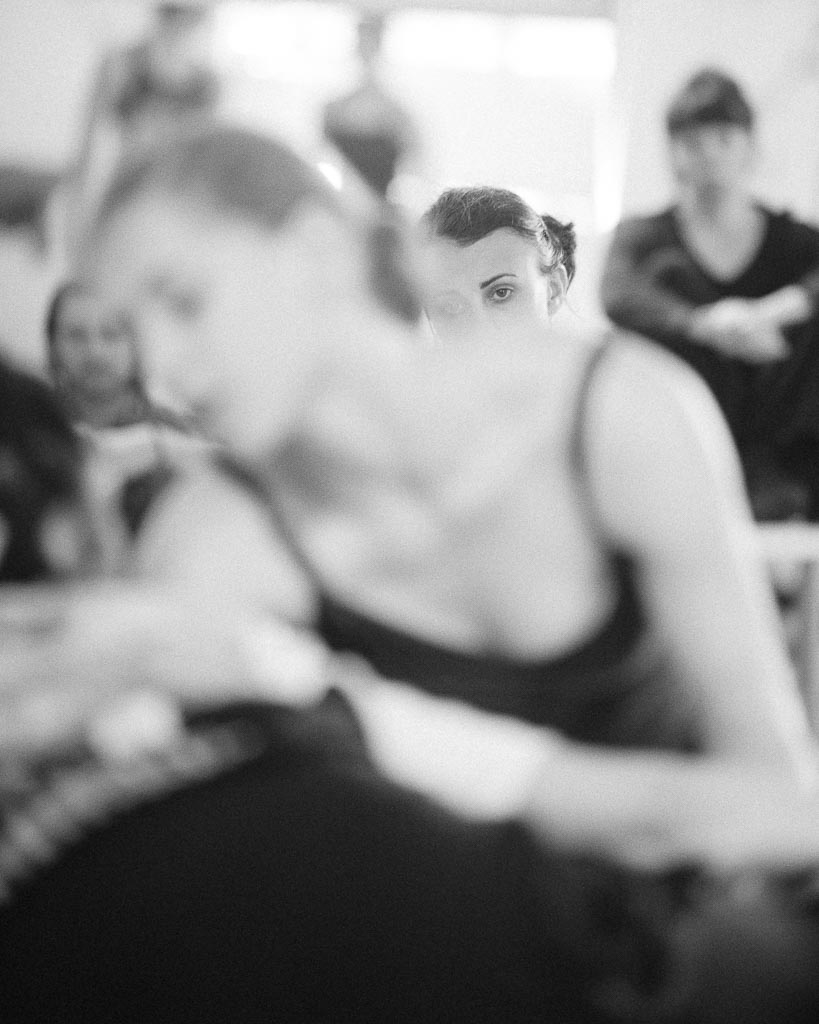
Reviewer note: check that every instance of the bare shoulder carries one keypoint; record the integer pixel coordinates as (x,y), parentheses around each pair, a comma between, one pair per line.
(661,460)
(647,394)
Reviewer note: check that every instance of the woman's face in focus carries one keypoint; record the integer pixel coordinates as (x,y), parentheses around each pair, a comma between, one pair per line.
(488,290)
(222,308)
(94,350)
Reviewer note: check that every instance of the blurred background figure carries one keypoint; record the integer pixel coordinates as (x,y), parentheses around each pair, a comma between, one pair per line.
(134,445)
(368,126)
(28,273)
(732,287)
(491,520)
(144,95)
(41,531)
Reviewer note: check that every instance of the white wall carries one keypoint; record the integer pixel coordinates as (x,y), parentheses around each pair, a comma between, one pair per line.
(48,52)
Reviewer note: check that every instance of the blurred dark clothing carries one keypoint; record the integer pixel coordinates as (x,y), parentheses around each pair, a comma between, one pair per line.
(652,283)
(24,193)
(374,154)
(372,131)
(272,875)
(617,686)
(259,869)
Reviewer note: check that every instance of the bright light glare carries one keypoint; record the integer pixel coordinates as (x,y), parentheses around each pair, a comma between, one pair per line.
(542,47)
(561,47)
(333,173)
(286,41)
(445,39)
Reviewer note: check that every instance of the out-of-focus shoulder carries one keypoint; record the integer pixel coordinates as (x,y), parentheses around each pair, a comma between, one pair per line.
(651,383)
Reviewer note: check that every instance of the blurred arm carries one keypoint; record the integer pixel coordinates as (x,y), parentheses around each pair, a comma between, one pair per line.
(669,492)
(631,292)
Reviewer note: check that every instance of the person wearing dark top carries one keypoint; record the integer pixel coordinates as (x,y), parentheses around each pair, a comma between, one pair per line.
(143,95)
(432,488)
(135,445)
(245,861)
(615,687)
(368,126)
(732,287)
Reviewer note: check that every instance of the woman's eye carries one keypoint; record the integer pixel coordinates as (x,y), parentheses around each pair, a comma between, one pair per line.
(501,294)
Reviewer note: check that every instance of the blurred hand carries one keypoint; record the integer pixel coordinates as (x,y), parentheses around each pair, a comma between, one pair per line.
(72,656)
(740,329)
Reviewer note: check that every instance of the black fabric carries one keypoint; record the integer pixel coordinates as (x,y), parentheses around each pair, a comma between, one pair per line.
(143,90)
(374,155)
(299,885)
(615,687)
(651,284)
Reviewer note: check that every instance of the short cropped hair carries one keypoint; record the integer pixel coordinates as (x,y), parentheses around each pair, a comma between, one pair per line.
(709,97)
(468,214)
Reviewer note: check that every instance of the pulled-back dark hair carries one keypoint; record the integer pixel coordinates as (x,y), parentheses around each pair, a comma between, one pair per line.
(709,97)
(40,458)
(468,214)
(261,180)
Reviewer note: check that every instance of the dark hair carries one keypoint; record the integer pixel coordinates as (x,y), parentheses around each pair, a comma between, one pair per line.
(261,180)
(709,97)
(40,458)
(468,214)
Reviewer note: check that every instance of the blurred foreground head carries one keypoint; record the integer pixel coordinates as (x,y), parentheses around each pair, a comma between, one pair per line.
(40,460)
(245,271)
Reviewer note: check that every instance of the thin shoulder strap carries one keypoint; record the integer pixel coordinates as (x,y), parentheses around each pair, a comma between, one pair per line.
(578,442)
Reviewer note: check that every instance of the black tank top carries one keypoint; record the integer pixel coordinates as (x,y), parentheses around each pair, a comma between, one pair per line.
(614,688)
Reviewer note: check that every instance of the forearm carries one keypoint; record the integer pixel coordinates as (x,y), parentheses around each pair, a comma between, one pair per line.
(473,762)
(635,299)
(660,811)
(789,305)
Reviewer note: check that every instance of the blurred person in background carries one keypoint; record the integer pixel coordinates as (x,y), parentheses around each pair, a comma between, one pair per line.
(188,856)
(28,265)
(368,126)
(143,96)
(134,445)
(732,287)
(41,535)
(418,489)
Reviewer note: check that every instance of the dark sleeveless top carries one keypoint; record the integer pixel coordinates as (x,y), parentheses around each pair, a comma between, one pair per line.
(615,688)
(143,90)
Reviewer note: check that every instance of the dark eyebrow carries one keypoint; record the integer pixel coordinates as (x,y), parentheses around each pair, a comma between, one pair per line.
(497,277)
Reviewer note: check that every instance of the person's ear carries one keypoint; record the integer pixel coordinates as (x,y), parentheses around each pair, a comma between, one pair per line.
(558,286)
